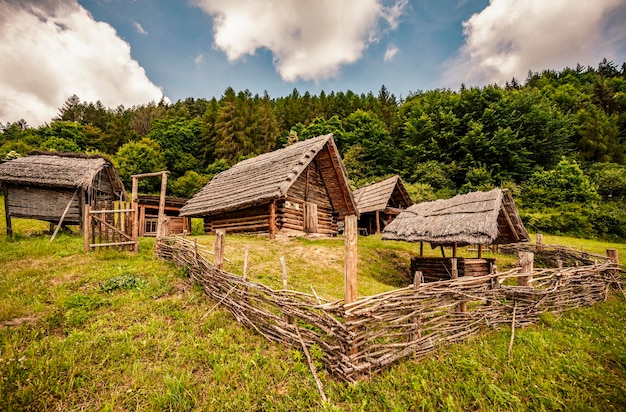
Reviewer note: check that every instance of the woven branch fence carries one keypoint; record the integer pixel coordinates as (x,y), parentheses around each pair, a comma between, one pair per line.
(365,336)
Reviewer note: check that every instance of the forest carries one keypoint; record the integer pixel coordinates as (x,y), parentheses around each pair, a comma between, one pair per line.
(557,140)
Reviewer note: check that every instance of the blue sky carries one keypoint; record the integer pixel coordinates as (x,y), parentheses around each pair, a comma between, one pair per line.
(132,52)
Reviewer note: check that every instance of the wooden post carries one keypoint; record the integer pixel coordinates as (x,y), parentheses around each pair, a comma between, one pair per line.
(526,260)
(454,272)
(454,249)
(443,251)
(273,219)
(283,266)
(613,255)
(480,251)
(421,249)
(350,239)
(134,198)
(86,227)
(7,212)
(162,204)
(418,278)
(245,263)
(220,235)
(377,222)
(539,241)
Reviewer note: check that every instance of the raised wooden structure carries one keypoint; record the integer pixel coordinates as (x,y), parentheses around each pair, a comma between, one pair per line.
(435,269)
(477,218)
(379,203)
(300,189)
(55,187)
(148,209)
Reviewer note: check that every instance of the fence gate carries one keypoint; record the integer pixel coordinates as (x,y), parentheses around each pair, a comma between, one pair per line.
(109,225)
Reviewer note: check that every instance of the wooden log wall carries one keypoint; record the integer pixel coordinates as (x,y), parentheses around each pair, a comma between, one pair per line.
(367,335)
(435,269)
(43,204)
(254,219)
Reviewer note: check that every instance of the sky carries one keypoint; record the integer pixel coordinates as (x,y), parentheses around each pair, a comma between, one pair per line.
(132,52)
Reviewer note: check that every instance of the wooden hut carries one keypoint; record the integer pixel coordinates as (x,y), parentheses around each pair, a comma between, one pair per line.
(300,189)
(148,209)
(477,218)
(47,186)
(379,203)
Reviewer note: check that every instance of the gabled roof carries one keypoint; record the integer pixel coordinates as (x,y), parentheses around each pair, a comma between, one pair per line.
(64,170)
(474,218)
(378,196)
(269,176)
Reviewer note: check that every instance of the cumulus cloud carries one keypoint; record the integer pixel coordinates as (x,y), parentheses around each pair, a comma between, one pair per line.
(510,37)
(391,52)
(52,50)
(309,40)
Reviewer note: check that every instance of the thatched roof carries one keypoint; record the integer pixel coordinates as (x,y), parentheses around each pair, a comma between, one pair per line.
(386,193)
(475,218)
(63,170)
(269,176)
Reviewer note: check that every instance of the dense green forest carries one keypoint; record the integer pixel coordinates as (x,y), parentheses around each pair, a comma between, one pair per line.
(557,140)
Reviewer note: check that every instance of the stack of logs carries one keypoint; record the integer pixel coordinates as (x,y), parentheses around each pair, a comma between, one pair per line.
(364,336)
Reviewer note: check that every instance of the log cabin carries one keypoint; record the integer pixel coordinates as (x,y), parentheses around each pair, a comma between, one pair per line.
(148,209)
(477,218)
(301,189)
(379,203)
(50,186)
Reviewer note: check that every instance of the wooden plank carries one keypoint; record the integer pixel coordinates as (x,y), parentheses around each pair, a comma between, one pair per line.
(86,227)
(272,222)
(219,248)
(101,245)
(7,210)
(113,229)
(137,230)
(162,205)
(351,256)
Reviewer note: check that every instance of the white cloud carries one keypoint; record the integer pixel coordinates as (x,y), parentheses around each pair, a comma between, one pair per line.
(510,37)
(140,28)
(391,52)
(309,40)
(53,50)
(199,58)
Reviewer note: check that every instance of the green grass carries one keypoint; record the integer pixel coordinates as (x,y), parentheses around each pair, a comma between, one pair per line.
(118,331)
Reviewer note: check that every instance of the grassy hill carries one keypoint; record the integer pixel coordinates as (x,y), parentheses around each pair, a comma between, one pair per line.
(120,331)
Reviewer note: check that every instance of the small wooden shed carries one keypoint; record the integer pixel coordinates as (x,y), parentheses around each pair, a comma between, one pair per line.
(148,209)
(300,189)
(379,203)
(47,186)
(477,218)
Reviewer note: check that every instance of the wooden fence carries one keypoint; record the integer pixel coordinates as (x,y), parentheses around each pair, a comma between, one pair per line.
(367,335)
(109,225)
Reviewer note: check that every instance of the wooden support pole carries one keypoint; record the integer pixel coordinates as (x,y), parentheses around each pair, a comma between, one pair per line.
(454,273)
(220,236)
(539,241)
(283,267)
(443,251)
(86,227)
(273,219)
(454,249)
(245,263)
(350,239)
(67,208)
(162,205)
(377,222)
(526,261)
(7,211)
(613,255)
(134,198)
(421,249)
(480,251)
(418,279)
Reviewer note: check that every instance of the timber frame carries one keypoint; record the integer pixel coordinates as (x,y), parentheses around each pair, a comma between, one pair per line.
(301,189)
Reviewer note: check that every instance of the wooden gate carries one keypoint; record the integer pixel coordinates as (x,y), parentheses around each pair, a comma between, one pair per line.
(109,225)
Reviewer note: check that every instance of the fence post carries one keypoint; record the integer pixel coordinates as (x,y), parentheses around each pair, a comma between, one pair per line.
(86,227)
(539,241)
(526,261)
(613,255)
(454,273)
(350,267)
(220,234)
(135,206)
(416,331)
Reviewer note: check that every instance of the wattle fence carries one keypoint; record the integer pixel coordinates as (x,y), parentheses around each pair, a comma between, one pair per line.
(365,336)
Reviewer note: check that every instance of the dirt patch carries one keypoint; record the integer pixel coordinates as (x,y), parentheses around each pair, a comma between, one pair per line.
(12,323)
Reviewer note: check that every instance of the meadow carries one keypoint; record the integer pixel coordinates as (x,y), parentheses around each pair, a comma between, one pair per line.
(118,331)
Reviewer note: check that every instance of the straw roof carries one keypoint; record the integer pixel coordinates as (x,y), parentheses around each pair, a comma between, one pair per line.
(269,176)
(66,170)
(378,196)
(474,218)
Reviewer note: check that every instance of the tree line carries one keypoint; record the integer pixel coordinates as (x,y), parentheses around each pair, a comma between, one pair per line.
(557,140)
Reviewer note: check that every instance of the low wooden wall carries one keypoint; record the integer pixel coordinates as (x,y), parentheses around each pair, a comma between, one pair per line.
(365,336)
(439,268)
